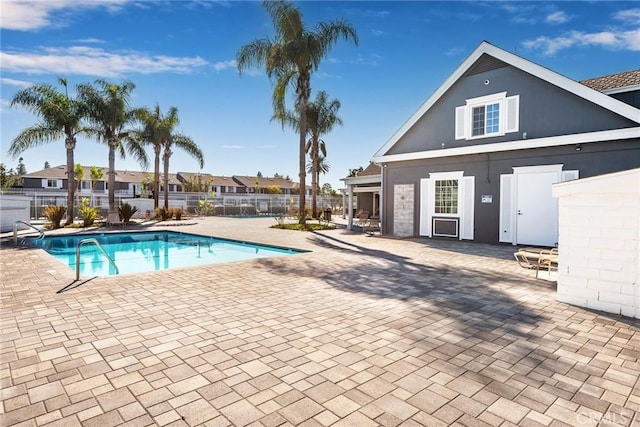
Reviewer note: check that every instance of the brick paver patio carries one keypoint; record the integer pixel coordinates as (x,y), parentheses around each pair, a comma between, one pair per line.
(362,331)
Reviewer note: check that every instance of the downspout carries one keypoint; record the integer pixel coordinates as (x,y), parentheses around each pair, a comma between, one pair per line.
(381,196)
(350,207)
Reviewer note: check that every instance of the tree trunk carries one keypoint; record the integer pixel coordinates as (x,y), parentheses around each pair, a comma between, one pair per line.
(303,98)
(167,154)
(156,177)
(112,177)
(314,169)
(70,182)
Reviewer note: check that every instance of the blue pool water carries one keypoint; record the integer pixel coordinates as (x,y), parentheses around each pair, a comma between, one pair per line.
(151,251)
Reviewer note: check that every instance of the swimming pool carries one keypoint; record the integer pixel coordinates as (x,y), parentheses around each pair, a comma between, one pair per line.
(151,251)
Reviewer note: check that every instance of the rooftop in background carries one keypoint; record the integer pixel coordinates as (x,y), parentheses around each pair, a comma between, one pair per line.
(614,81)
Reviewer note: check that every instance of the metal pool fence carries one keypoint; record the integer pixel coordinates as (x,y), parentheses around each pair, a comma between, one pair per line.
(194,204)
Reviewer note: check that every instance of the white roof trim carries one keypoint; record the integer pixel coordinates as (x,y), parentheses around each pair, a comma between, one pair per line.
(527,66)
(365,179)
(522,144)
(621,89)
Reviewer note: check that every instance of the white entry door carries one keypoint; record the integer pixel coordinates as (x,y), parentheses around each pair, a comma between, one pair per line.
(536,209)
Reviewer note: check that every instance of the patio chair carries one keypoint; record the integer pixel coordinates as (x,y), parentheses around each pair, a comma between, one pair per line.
(538,259)
(363,221)
(113,219)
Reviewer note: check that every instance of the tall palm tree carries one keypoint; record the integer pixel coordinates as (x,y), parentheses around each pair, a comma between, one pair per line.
(95,174)
(110,116)
(170,139)
(59,118)
(78,173)
(152,134)
(322,117)
(289,60)
(320,166)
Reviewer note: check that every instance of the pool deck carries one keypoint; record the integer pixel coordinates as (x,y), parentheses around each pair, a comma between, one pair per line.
(362,331)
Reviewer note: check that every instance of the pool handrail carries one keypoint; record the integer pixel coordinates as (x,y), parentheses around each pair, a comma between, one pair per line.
(15,231)
(94,241)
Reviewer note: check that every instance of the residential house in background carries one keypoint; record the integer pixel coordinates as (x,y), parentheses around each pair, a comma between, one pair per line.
(477,160)
(137,183)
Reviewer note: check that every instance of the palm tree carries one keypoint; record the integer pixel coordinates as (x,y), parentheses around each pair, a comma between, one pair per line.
(185,143)
(109,114)
(59,118)
(152,134)
(78,173)
(320,166)
(96,174)
(322,116)
(289,59)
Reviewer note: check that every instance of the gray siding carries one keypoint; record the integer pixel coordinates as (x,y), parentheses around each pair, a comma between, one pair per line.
(593,159)
(543,112)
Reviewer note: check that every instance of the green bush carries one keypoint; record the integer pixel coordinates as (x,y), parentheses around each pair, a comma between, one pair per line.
(87,213)
(163,214)
(55,215)
(126,211)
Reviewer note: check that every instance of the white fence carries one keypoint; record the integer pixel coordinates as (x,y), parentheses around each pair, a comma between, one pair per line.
(201,204)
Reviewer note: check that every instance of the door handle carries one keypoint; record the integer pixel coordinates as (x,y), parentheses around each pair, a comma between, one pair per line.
(519,212)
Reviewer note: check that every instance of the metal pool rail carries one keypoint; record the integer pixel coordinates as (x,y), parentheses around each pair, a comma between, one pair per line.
(15,231)
(95,242)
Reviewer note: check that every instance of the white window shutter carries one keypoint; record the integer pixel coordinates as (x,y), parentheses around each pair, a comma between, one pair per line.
(461,124)
(506,209)
(570,175)
(468,207)
(512,120)
(425,208)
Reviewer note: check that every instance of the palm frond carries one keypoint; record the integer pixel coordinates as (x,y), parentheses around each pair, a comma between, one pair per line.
(253,54)
(191,148)
(34,136)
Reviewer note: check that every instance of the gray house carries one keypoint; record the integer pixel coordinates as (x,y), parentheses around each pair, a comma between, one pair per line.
(478,158)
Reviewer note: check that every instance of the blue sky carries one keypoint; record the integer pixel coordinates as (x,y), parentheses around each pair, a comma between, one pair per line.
(181,53)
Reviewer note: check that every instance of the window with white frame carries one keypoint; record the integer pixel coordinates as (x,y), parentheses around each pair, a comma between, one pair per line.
(85,185)
(487,116)
(446,196)
(52,183)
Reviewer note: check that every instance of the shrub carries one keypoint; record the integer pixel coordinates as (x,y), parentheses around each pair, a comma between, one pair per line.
(55,215)
(87,213)
(163,214)
(126,211)
(177,212)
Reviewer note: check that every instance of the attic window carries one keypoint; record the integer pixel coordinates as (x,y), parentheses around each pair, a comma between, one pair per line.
(487,116)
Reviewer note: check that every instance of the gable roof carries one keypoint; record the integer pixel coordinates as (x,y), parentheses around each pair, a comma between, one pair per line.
(250,181)
(60,172)
(527,66)
(614,83)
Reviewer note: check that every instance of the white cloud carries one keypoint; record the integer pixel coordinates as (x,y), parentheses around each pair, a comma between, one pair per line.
(377,32)
(91,61)
(90,40)
(4,105)
(621,40)
(14,82)
(32,15)
(323,75)
(558,17)
(631,16)
(234,147)
(223,65)
(454,51)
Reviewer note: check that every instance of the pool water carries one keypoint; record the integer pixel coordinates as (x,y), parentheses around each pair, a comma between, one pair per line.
(152,251)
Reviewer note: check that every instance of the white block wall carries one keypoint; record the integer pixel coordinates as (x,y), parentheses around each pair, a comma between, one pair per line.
(599,243)
(403,209)
(12,209)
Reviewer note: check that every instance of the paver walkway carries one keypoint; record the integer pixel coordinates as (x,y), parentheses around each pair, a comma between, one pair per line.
(361,331)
